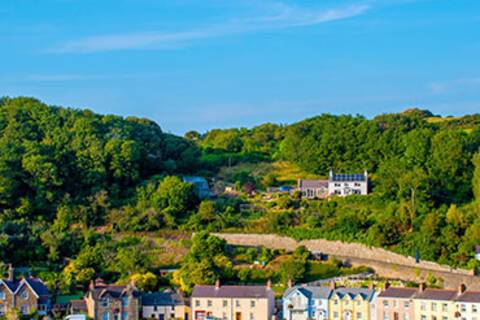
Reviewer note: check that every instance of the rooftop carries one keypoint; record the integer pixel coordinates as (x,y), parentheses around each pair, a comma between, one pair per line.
(436,294)
(202,291)
(397,292)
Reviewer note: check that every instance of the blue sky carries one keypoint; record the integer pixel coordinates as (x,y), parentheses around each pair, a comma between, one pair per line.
(201,64)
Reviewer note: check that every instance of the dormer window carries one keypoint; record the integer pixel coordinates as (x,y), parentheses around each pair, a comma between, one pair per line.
(24,295)
(104,302)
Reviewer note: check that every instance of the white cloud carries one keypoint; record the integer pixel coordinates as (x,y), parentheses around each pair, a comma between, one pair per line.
(280,16)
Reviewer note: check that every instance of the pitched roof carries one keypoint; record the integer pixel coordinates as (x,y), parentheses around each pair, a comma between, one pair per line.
(164,298)
(338,177)
(312,184)
(312,292)
(469,296)
(398,292)
(436,294)
(200,291)
(115,291)
(36,284)
(365,293)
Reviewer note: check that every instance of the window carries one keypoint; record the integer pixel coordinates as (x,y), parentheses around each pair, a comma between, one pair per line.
(115,316)
(474,308)
(2,309)
(335,314)
(209,303)
(335,302)
(106,316)
(225,303)
(444,307)
(444,318)
(104,302)
(434,306)
(423,317)
(125,301)
(406,316)
(251,316)
(125,315)
(237,303)
(385,304)
(359,315)
(2,295)
(224,316)
(463,307)
(252,304)
(197,303)
(423,306)
(155,308)
(24,295)
(406,304)
(24,310)
(385,316)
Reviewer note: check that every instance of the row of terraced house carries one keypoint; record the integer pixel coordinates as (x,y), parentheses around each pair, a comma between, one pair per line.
(246,302)
(390,303)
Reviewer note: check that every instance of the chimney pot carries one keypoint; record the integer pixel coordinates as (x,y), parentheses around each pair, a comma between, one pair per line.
(462,288)
(387,285)
(333,285)
(217,284)
(269,284)
(422,287)
(289,283)
(11,272)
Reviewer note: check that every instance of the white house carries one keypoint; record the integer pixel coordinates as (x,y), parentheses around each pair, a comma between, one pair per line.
(164,305)
(306,302)
(347,184)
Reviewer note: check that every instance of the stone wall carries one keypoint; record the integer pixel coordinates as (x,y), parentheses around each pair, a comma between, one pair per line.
(384,262)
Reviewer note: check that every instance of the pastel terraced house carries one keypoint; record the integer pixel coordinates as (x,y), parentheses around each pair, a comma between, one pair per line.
(232,302)
(396,304)
(435,304)
(467,306)
(352,304)
(306,302)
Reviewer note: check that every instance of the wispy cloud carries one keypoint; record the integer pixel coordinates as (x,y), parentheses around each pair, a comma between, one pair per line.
(455,86)
(280,16)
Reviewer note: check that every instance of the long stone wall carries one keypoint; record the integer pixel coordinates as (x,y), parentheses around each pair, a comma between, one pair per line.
(382,261)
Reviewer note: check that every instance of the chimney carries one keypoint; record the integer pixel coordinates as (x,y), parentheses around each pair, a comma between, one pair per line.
(289,283)
(91,285)
(330,175)
(217,284)
(11,273)
(422,287)
(386,285)
(461,288)
(333,285)
(269,284)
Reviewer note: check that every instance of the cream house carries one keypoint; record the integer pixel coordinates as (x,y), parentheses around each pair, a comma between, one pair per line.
(467,305)
(434,304)
(352,304)
(232,302)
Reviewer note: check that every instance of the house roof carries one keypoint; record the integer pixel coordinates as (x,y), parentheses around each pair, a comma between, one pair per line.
(195,179)
(339,177)
(312,292)
(115,291)
(36,284)
(201,291)
(469,296)
(364,293)
(397,292)
(313,184)
(436,294)
(165,298)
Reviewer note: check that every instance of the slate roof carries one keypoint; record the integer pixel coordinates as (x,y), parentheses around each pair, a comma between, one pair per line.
(164,298)
(397,292)
(436,294)
(469,296)
(312,292)
(36,284)
(312,184)
(365,293)
(115,291)
(231,292)
(339,177)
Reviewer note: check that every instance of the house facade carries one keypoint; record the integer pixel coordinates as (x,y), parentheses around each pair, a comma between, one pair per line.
(396,304)
(112,302)
(232,302)
(305,303)
(311,189)
(164,305)
(439,304)
(27,295)
(347,184)
(467,305)
(352,304)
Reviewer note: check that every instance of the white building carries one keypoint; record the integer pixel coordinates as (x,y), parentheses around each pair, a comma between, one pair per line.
(306,302)
(467,304)
(347,184)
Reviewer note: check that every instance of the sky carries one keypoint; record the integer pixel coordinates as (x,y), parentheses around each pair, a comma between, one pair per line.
(203,64)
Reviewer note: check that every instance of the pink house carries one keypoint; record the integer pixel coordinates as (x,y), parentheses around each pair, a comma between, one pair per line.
(396,304)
